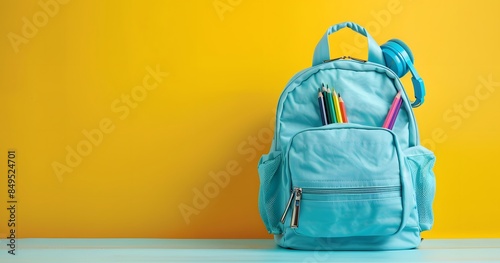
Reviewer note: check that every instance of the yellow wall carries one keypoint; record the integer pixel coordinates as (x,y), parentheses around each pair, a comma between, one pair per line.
(158,96)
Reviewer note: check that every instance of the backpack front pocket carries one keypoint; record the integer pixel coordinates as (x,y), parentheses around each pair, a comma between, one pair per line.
(347,180)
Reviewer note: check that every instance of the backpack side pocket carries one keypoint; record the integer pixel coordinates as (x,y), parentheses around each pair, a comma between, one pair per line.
(269,193)
(420,162)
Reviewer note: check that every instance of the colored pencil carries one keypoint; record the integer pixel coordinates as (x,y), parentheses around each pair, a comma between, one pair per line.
(336,106)
(329,102)
(322,110)
(325,101)
(392,109)
(342,110)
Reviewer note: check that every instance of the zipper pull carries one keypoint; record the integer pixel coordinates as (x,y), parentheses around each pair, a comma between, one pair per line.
(288,204)
(333,59)
(357,59)
(345,58)
(294,223)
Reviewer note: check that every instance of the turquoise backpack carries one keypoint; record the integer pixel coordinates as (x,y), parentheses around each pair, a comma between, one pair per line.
(352,185)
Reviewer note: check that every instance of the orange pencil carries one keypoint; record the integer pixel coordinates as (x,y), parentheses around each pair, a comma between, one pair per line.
(342,110)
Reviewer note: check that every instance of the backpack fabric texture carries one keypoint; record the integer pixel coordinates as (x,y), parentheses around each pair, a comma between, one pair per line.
(346,186)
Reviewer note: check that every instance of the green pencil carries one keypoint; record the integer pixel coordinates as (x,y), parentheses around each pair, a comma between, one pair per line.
(329,102)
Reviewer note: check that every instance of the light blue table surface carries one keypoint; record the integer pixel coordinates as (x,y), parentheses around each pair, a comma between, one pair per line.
(235,250)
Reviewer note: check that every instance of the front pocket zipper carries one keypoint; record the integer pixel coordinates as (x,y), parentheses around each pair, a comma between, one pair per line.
(361,192)
(355,190)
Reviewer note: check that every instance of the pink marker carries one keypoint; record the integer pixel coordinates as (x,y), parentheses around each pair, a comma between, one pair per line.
(396,112)
(392,110)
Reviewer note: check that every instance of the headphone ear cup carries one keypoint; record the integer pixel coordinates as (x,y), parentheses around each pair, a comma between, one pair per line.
(404,46)
(393,62)
(393,56)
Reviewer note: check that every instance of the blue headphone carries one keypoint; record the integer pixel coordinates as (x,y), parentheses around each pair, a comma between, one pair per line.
(398,58)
